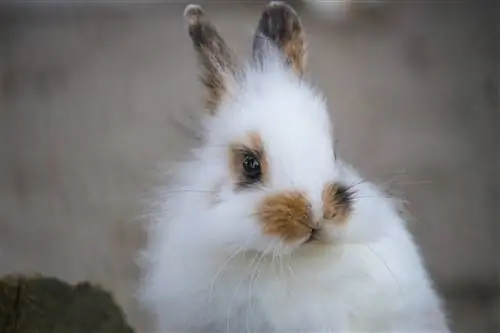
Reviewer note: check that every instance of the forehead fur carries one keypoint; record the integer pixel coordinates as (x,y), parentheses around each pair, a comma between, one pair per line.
(290,116)
(268,94)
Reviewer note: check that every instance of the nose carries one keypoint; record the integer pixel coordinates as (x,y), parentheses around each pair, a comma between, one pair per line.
(313,235)
(301,216)
(287,215)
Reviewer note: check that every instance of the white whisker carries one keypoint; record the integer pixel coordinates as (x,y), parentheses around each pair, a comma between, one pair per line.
(230,308)
(387,268)
(219,271)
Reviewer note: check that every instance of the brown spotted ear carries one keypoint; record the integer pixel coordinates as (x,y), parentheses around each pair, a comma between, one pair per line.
(281,25)
(217,61)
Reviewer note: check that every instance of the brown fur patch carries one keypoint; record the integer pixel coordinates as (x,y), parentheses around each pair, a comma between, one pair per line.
(252,143)
(287,216)
(336,203)
(296,52)
(217,60)
(255,141)
(281,24)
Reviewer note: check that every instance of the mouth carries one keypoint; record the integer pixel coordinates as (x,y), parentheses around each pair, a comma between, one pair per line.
(313,236)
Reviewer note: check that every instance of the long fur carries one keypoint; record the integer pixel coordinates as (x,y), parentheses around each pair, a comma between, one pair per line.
(209,268)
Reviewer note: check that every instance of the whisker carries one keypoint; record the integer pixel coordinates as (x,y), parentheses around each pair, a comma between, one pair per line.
(415,182)
(392,175)
(282,270)
(391,178)
(253,215)
(188,191)
(253,278)
(368,197)
(219,271)
(305,224)
(275,260)
(290,269)
(217,146)
(351,186)
(230,309)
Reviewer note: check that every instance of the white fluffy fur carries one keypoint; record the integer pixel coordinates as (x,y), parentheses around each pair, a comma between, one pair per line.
(210,269)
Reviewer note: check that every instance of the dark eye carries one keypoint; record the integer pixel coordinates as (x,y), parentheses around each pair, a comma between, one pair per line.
(251,168)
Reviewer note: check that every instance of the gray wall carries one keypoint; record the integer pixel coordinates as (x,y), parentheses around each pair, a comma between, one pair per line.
(92,99)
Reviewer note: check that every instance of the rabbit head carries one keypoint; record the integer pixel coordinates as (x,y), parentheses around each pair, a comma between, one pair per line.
(266,177)
(266,187)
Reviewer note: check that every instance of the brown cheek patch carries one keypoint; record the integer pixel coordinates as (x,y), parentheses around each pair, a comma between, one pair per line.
(337,203)
(286,216)
(252,143)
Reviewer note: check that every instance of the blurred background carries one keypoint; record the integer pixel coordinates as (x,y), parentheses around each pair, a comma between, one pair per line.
(95,96)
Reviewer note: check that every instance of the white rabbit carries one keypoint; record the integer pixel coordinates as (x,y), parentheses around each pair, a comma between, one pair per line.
(264,229)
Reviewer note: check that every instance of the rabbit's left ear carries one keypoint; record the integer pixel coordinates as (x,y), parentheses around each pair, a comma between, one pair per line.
(280,24)
(217,60)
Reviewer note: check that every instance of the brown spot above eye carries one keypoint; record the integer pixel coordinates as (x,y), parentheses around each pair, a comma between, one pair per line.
(287,216)
(337,203)
(251,146)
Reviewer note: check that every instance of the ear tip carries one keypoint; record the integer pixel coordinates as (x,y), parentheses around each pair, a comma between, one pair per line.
(280,5)
(193,13)
(281,13)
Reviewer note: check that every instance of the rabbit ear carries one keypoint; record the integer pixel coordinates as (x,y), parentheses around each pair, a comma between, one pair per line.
(217,61)
(281,25)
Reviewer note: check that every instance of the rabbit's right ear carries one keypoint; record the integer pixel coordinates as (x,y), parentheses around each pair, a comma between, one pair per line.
(217,61)
(280,25)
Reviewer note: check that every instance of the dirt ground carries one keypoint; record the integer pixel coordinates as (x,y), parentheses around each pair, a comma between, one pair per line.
(93,99)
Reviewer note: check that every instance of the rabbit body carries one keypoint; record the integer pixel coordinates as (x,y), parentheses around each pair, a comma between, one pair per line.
(373,286)
(307,247)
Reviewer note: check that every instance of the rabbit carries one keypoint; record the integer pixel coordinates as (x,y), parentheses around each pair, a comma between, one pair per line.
(264,228)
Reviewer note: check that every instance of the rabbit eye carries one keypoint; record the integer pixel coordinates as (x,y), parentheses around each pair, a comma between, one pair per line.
(251,168)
